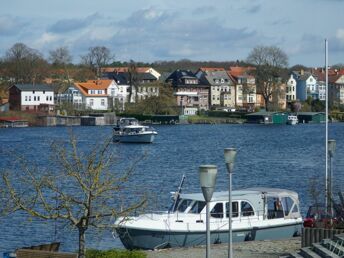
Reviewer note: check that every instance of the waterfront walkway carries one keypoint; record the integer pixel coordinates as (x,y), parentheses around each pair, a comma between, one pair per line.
(252,249)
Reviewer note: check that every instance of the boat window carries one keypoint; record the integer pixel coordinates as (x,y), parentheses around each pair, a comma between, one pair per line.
(287,203)
(183,205)
(217,211)
(275,209)
(235,209)
(295,209)
(197,207)
(246,209)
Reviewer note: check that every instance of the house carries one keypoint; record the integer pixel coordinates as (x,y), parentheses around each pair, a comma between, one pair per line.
(291,89)
(222,88)
(264,117)
(245,86)
(31,97)
(92,94)
(336,89)
(145,85)
(306,85)
(191,95)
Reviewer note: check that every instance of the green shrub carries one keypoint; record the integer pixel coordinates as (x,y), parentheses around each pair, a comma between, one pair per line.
(114,253)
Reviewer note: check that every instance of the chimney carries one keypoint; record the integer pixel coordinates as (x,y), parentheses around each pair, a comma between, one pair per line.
(302,72)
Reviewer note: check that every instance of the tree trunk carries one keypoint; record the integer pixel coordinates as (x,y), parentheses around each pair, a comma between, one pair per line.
(82,242)
(266,104)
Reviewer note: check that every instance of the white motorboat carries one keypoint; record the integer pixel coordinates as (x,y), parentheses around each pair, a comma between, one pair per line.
(128,130)
(292,120)
(257,214)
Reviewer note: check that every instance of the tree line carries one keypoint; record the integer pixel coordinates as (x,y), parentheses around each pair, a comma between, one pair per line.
(22,64)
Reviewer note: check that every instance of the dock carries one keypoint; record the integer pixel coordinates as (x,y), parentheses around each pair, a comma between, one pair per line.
(249,249)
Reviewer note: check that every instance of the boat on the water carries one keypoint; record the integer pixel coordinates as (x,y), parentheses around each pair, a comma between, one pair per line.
(257,214)
(292,120)
(128,130)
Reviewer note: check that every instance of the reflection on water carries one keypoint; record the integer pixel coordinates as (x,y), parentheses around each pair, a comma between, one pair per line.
(272,156)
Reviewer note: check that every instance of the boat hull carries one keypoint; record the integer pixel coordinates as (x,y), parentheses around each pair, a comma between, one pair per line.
(148,239)
(135,138)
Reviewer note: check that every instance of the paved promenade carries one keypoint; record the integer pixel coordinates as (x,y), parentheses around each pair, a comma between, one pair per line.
(253,249)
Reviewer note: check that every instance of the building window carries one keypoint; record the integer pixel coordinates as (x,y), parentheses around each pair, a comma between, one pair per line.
(29,98)
(25,98)
(33,92)
(91,102)
(51,98)
(34,98)
(99,92)
(44,92)
(38,98)
(47,98)
(102,102)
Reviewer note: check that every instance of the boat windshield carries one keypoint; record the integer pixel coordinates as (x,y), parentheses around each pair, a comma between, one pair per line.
(197,207)
(183,205)
(281,207)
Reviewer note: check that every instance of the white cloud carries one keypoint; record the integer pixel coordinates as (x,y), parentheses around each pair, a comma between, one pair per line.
(340,34)
(46,38)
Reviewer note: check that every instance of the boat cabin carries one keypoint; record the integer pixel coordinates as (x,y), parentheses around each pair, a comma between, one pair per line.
(254,202)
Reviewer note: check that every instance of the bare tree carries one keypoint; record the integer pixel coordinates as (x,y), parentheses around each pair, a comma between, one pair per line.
(24,64)
(61,57)
(84,189)
(269,62)
(97,58)
(133,81)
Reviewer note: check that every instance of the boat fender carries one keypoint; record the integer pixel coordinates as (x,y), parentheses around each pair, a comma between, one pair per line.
(296,233)
(251,236)
(217,241)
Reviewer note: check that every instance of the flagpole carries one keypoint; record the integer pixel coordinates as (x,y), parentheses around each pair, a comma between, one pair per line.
(326,125)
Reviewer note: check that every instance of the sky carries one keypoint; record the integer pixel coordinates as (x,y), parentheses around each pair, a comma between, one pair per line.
(159,30)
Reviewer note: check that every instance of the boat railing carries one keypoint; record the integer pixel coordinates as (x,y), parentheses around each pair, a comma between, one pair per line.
(201,217)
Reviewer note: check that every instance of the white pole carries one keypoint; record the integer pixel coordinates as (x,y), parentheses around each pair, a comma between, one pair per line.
(230,240)
(326,125)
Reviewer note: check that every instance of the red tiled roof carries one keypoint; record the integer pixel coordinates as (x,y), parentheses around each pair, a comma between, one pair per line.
(93,85)
(240,70)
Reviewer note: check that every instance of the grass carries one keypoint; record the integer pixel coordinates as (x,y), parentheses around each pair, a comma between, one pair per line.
(115,253)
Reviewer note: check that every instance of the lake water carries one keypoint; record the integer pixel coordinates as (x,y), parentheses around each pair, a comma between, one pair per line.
(271,156)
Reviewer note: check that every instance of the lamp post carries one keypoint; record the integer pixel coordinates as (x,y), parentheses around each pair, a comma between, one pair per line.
(207,175)
(230,154)
(331,149)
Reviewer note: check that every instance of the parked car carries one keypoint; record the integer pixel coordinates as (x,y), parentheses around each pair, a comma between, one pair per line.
(317,215)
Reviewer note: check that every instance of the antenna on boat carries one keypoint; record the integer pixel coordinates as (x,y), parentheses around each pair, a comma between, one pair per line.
(176,195)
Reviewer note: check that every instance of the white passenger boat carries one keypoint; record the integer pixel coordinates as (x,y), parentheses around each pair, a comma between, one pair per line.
(292,120)
(258,214)
(128,130)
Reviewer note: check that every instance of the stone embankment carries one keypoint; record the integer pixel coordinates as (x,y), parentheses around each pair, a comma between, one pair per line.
(252,249)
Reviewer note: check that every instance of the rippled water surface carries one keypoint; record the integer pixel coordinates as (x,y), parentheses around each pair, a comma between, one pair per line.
(272,156)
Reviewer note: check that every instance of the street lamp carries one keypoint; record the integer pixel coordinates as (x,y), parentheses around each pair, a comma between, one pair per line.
(331,150)
(207,176)
(230,154)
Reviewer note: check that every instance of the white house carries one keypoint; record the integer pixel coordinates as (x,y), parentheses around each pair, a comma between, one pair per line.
(31,97)
(93,94)
(291,89)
